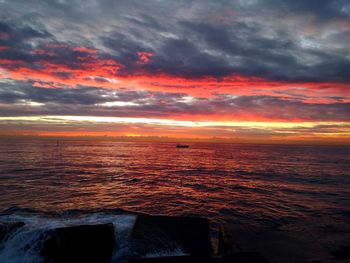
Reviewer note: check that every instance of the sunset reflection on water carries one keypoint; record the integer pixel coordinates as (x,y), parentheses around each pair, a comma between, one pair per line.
(260,184)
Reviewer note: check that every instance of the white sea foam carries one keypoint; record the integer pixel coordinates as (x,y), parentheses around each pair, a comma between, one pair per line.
(23,245)
(178,251)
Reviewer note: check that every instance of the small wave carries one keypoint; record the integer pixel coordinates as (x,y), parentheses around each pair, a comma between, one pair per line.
(166,253)
(24,244)
(15,210)
(203,187)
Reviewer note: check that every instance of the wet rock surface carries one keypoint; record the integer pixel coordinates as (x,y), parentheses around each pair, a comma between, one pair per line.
(85,243)
(244,257)
(314,240)
(184,239)
(162,235)
(174,259)
(7,227)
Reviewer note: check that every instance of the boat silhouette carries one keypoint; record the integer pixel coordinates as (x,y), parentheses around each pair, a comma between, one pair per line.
(182,146)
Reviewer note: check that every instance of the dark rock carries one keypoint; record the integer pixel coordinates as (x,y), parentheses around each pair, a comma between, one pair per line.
(7,227)
(175,259)
(224,242)
(229,258)
(243,257)
(87,243)
(342,252)
(273,245)
(171,236)
(230,238)
(232,245)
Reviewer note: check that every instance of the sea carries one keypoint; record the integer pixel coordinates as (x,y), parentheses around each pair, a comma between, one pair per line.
(49,183)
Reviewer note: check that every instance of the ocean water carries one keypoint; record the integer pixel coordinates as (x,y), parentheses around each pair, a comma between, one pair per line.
(48,185)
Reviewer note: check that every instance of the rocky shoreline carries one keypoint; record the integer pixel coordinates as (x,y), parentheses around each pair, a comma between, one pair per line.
(152,239)
(187,239)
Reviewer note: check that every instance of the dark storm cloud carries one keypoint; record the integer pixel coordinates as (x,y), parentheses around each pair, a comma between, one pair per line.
(17,91)
(124,49)
(17,38)
(181,57)
(279,40)
(322,10)
(249,54)
(22,98)
(15,34)
(288,109)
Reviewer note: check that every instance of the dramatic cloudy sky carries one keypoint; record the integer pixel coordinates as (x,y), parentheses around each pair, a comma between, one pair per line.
(244,69)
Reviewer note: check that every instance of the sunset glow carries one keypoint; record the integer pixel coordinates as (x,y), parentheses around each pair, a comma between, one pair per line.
(190,73)
(174,131)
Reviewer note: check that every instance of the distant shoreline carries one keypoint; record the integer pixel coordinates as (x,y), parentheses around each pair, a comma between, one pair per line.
(164,139)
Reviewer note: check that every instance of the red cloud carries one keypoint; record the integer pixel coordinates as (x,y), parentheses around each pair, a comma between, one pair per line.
(4,35)
(86,50)
(3,48)
(144,57)
(88,68)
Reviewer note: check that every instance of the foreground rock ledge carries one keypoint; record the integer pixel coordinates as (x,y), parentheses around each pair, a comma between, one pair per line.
(156,239)
(86,243)
(171,235)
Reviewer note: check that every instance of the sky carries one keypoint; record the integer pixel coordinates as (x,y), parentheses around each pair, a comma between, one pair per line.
(269,70)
